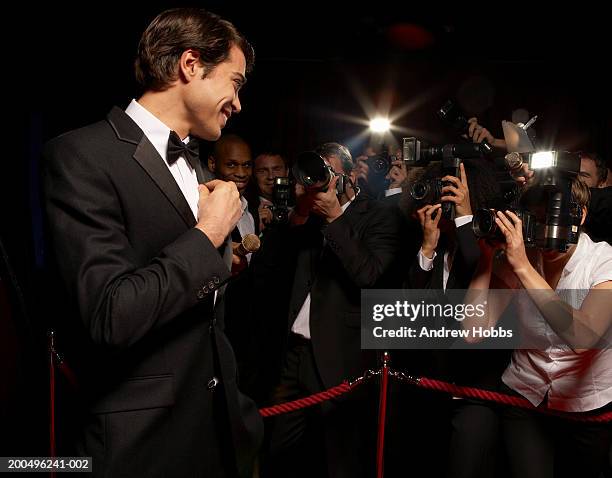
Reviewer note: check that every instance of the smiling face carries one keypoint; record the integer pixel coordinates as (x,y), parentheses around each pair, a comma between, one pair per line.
(212,97)
(232,162)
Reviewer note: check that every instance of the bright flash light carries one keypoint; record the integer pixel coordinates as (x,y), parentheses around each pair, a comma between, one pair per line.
(545,159)
(380,125)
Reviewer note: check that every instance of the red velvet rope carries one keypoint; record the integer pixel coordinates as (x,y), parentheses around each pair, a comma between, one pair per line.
(431,384)
(469,392)
(333,392)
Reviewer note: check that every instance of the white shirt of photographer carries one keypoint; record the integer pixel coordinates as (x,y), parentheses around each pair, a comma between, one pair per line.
(301,326)
(573,382)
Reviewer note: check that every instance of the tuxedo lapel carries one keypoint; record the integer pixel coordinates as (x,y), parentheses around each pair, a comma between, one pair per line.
(147,156)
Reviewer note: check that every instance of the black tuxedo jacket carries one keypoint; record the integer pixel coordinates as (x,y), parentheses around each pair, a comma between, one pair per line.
(145,335)
(334,262)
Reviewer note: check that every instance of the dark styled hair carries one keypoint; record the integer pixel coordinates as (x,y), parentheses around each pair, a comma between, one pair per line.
(179,29)
(600,165)
(482,184)
(342,152)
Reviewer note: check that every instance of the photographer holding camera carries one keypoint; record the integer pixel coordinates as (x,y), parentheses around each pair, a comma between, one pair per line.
(568,311)
(447,258)
(382,175)
(342,241)
(268,168)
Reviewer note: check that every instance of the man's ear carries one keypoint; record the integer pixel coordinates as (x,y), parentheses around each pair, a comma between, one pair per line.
(190,66)
(584,215)
(211,163)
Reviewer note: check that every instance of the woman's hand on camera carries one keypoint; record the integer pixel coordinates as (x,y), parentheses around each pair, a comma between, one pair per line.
(512,228)
(461,193)
(431,231)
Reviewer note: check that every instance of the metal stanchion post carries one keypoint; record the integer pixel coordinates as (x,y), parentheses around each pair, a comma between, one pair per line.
(51,347)
(382,414)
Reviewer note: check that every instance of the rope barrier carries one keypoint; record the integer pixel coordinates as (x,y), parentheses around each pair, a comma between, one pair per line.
(437,385)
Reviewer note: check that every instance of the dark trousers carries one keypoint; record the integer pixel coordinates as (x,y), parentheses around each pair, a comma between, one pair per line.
(542,446)
(336,438)
(474,440)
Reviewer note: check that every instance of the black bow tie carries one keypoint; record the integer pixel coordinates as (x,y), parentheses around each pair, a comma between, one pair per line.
(176,148)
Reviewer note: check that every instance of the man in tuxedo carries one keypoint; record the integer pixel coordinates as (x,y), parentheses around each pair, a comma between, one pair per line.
(344,242)
(142,248)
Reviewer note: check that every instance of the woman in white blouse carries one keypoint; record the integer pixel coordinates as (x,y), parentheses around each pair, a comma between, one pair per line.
(568,310)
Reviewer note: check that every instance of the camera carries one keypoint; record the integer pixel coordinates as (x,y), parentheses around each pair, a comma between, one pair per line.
(454,115)
(379,165)
(554,172)
(311,171)
(426,191)
(281,196)
(485,227)
(419,153)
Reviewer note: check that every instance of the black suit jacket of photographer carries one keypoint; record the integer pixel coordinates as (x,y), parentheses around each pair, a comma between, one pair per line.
(463,265)
(482,368)
(144,333)
(334,262)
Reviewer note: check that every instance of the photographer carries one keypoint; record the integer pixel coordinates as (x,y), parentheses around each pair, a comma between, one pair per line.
(267,167)
(343,242)
(386,185)
(557,377)
(447,259)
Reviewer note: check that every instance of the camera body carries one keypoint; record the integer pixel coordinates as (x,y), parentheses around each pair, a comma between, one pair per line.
(281,196)
(554,173)
(551,219)
(379,166)
(426,191)
(485,227)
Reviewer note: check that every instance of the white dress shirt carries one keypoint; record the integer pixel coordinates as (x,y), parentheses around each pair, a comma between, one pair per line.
(246,223)
(182,172)
(427,264)
(392,192)
(573,382)
(301,326)
(158,133)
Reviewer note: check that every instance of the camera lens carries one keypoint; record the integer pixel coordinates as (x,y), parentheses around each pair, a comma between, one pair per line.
(311,171)
(419,190)
(483,223)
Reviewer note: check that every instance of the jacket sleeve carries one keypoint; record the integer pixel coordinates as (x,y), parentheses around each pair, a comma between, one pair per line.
(120,300)
(366,258)
(468,246)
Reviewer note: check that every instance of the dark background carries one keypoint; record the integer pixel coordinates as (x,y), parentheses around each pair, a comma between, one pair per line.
(320,68)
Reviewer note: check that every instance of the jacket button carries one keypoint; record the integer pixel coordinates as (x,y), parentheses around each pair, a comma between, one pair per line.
(200,294)
(205,289)
(212,384)
(211,285)
(216,279)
